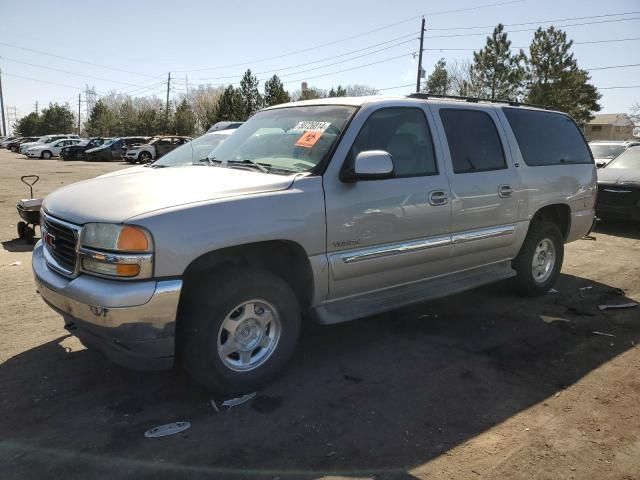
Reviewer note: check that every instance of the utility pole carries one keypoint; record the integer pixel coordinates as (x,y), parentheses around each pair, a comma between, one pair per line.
(78,114)
(186,81)
(420,57)
(36,107)
(166,111)
(4,123)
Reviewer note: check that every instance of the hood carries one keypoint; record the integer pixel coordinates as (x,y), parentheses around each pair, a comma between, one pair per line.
(96,149)
(618,175)
(120,195)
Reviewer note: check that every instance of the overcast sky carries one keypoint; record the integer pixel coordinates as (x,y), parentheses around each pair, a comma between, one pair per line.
(202,41)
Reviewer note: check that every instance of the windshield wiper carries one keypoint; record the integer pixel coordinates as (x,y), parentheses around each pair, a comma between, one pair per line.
(208,160)
(248,163)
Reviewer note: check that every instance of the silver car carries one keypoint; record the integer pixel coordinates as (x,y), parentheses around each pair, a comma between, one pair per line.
(330,209)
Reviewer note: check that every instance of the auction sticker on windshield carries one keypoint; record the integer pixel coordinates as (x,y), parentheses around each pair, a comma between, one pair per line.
(310,125)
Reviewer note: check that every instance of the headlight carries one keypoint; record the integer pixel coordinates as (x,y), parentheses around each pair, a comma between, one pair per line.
(124,251)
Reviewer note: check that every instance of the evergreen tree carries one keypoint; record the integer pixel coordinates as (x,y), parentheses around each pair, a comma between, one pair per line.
(497,74)
(57,119)
(250,95)
(274,92)
(438,82)
(184,119)
(231,106)
(28,126)
(101,122)
(555,79)
(338,92)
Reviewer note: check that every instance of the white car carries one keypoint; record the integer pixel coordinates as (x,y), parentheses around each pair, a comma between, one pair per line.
(605,151)
(52,149)
(44,140)
(156,148)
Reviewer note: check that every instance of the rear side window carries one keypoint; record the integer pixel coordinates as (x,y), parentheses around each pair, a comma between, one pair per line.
(547,138)
(473,141)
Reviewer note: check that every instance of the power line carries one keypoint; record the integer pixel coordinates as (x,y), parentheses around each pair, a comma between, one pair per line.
(46,67)
(538,21)
(614,66)
(441,12)
(589,42)
(74,59)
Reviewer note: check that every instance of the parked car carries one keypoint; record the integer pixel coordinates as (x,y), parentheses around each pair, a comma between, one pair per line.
(44,140)
(226,256)
(52,149)
(619,187)
(224,126)
(154,149)
(5,141)
(112,150)
(77,152)
(14,144)
(605,151)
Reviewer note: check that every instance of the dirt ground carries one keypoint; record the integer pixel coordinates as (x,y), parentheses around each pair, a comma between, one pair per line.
(483,384)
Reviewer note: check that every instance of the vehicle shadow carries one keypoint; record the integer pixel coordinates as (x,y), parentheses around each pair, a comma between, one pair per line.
(378,397)
(618,228)
(18,245)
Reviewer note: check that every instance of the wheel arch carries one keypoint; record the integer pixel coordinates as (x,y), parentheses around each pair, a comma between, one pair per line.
(556,213)
(284,258)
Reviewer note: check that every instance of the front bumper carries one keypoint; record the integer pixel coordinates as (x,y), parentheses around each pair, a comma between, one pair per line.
(619,212)
(132,323)
(33,154)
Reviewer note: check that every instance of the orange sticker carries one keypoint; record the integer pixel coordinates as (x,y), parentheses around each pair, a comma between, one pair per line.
(309,138)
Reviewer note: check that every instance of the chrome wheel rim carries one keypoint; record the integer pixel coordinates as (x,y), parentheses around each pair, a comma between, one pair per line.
(544,259)
(249,335)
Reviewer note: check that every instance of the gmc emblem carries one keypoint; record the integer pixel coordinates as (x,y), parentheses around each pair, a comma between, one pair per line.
(50,240)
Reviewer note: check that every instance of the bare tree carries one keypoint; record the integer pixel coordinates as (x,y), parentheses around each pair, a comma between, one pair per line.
(635,117)
(360,90)
(203,101)
(461,79)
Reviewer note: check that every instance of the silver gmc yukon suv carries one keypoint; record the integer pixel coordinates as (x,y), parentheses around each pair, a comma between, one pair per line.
(331,209)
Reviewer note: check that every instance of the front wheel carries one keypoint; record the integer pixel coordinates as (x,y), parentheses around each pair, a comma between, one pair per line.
(144,157)
(239,330)
(46,155)
(540,259)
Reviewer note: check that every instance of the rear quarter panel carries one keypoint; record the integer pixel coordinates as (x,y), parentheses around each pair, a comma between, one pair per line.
(574,185)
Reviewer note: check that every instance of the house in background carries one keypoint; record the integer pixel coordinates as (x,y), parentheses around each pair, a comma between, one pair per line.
(609,126)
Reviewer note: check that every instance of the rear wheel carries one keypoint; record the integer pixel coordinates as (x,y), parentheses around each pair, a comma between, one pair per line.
(540,259)
(46,155)
(144,157)
(239,330)
(29,235)
(21,227)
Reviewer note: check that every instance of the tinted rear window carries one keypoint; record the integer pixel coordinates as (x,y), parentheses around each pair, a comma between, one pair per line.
(547,138)
(473,141)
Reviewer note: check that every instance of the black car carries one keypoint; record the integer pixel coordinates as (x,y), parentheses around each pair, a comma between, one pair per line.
(112,150)
(14,145)
(77,152)
(619,187)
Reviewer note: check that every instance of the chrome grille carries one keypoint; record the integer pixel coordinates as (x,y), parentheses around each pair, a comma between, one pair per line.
(60,240)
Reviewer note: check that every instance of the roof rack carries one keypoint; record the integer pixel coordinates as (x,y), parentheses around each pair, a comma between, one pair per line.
(426,96)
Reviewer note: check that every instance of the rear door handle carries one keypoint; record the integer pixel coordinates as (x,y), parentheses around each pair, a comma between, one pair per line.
(505,191)
(438,197)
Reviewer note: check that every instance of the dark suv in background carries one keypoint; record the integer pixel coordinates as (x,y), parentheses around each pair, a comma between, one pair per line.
(112,150)
(77,152)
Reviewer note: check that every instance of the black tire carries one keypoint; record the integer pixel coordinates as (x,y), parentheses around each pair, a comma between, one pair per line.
(14,149)
(539,233)
(203,311)
(21,228)
(46,155)
(29,235)
(144,157)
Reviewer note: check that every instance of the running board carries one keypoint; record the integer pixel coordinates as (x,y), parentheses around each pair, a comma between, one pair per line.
(379,301)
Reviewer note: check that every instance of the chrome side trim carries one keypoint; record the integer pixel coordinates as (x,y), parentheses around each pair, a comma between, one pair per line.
(483,234)
(393,249)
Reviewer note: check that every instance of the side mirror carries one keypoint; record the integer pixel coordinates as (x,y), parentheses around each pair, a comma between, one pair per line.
(601,164)
(370,165)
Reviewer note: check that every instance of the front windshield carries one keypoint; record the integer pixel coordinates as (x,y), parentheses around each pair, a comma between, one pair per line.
(284,140)
(606,151)
(628,159)
(195,151)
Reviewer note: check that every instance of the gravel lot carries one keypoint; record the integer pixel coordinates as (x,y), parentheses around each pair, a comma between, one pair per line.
(480,385)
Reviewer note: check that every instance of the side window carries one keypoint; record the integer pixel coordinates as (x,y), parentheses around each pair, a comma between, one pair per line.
(547,138)
(473,141)
(404,133)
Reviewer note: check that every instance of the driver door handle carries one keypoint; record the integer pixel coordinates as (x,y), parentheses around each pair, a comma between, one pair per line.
(505,191)
(438,197)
